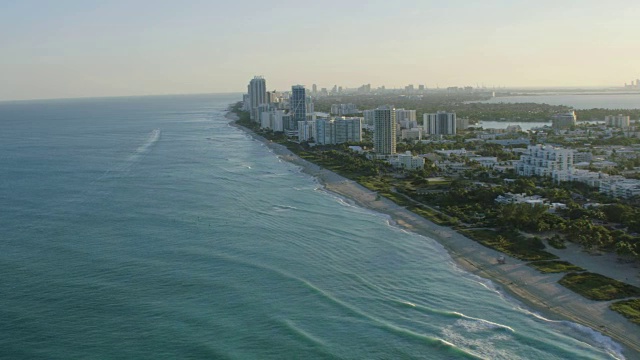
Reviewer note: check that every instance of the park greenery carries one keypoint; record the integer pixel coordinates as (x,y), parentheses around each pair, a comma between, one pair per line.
(554,266)
(629,309)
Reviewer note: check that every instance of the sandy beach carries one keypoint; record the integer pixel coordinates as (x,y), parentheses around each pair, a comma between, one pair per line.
(539,291)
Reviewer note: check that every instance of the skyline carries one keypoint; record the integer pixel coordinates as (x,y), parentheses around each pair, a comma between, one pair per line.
(80,49)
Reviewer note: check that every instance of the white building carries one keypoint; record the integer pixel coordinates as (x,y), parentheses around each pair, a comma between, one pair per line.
(457,152)
(440,123)
(590,178)
(510,198)
(306,130)
(547,161)
(486,161)
(620,187)
(407,161)
(619,121)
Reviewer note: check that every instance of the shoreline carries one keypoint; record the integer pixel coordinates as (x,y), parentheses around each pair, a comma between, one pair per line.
(538,291)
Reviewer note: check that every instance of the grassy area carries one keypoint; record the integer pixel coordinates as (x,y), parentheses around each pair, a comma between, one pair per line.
(511,243)
(629,309)
(557,243)
(554,266)
(598,287)
(435,217)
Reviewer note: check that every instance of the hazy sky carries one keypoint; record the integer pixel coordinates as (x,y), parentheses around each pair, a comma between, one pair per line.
(66,48)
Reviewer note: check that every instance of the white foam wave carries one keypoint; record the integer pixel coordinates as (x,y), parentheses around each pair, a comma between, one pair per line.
(154,136)
(486,324)
(279,208)
(606,343)
(484,347)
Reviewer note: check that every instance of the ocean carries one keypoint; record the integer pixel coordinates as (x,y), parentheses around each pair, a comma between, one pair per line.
(149,228)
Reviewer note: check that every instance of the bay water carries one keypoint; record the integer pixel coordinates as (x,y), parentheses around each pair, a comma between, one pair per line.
(578,101)
(149,228)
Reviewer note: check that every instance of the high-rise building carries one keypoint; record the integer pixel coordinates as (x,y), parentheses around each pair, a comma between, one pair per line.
(343,109)
(306,130)
(368,116)
(620,121)
(257,95)
(338,131)
(440,123)
(564,121)
(462,123)
(348,130)
(406,118)
(298,104)
(384,132)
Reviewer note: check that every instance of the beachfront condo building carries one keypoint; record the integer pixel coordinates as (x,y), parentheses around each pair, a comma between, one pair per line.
(298,104)
(384,130)
(257,90)
(440,123)
(338,131)
(306,130)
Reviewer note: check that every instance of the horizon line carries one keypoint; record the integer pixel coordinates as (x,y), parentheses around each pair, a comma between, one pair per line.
(117,96)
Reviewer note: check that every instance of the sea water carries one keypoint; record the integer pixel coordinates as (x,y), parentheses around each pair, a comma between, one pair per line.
(149,228)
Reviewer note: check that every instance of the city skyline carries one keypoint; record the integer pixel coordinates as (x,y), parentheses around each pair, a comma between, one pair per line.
(90,49)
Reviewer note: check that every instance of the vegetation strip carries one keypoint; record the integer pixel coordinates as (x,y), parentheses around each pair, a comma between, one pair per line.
(554,266)
(598,287)
(629,309)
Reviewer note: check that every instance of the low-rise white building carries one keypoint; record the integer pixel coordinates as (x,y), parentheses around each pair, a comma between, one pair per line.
(620,187)
(486,161)
(546,161)
(458,152)
(510,198)
(407,161)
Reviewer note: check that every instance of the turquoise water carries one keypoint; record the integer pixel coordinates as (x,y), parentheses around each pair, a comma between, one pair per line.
(148,228)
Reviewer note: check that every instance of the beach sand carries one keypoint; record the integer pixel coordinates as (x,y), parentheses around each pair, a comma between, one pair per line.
(540,292)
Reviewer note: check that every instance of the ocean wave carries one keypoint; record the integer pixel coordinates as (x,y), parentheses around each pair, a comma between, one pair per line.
(606,343)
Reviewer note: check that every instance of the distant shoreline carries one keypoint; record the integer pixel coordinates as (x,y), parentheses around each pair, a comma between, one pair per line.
(536,290)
